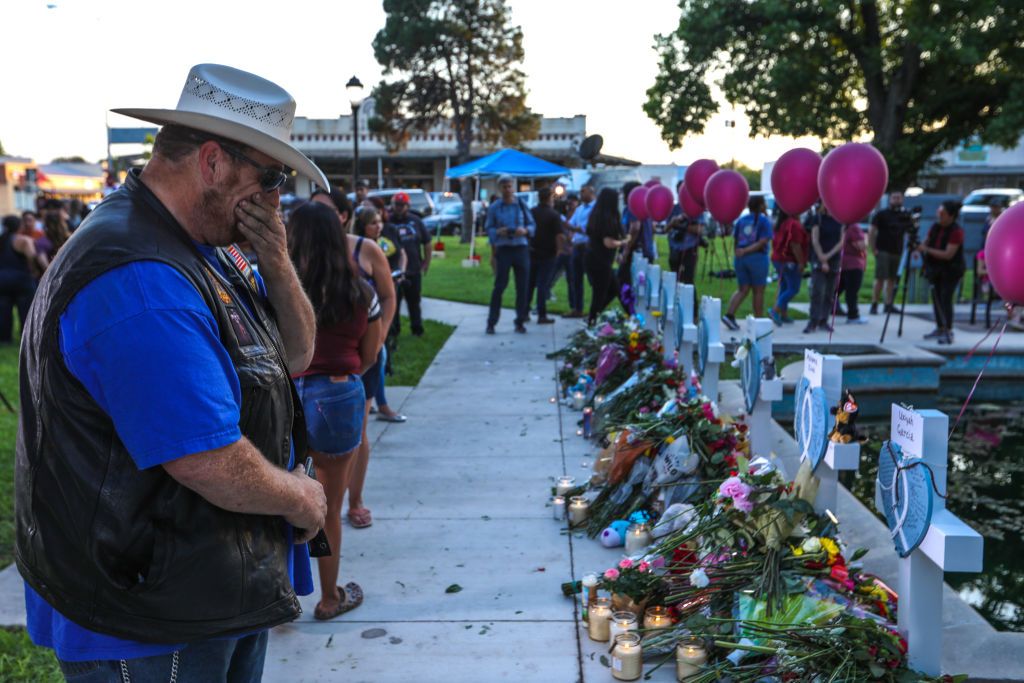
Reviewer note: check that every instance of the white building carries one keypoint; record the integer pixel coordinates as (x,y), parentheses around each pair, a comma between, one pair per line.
(974,165)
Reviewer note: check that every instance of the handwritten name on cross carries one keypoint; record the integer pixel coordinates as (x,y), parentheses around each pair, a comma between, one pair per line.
(667,306)
(711,351)
(685,331)
(906,492)
(819,389)
(760,391)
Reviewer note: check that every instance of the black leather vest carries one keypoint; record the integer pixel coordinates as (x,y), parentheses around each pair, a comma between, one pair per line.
(132,553)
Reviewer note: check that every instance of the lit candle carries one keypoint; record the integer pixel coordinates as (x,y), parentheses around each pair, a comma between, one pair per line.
(638,537)
(558,503)
(553,399)
(656,618)
(627,657)
(598,626)
(578,509)
(622,622)
(691,656)
(578,399)
(599,400)
(564,485)
(588,415)
(589,593)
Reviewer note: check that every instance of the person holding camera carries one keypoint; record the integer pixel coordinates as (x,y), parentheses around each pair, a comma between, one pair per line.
(684,238)
(888,229)
(509,229)
(943,251)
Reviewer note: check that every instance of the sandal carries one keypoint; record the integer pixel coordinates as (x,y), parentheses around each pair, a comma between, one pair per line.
(360,518)
(353,595)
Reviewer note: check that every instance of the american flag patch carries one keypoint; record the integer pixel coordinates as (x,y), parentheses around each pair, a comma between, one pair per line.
(241,262)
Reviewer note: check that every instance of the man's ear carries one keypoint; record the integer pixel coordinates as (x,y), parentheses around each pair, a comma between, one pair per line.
(212,162)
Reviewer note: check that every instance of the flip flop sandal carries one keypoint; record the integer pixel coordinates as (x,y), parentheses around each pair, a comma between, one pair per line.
(361,518)
(353,598)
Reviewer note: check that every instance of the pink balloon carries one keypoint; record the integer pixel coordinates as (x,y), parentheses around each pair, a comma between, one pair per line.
(725,195)
(795,180)
(851,180)
(1004,253)
(691,208)
(637,202)
(696,177)
(659,202)
(652,182)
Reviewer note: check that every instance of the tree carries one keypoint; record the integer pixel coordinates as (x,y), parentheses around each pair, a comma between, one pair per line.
(2,152)
(920,76)
(456,61)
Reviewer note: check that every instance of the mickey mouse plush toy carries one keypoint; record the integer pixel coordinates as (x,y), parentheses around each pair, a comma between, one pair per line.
(845,429)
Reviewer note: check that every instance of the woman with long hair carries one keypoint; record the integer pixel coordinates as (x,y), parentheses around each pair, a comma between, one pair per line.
(348,340)
(944,266)
(55,234)
(17,254)
(604,238)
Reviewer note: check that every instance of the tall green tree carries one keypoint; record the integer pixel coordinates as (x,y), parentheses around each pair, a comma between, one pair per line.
(2,152)
(455,61)
(919,75)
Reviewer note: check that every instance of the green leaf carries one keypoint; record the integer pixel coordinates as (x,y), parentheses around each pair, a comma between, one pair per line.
(858,553)
(454,588)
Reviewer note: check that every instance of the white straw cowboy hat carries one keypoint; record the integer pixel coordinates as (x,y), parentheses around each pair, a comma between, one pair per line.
(239,106)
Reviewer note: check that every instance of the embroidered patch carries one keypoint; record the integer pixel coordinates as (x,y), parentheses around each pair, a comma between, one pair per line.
(242,332)
(221,292)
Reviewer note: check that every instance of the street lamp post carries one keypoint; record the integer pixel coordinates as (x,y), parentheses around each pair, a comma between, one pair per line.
(355,97)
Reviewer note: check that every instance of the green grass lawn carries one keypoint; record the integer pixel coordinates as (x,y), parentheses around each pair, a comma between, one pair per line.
(415,354)
(447,278)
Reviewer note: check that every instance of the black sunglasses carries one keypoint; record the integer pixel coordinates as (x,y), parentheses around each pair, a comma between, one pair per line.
(270,178)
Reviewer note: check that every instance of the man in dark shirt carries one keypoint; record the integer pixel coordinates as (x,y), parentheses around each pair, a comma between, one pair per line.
(544,251)
(826,245)
(889,227)
(415,240)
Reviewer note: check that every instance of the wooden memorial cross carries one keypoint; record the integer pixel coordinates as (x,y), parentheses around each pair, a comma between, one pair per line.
(710,350)
(685,331)
(818,390)
(929,539)
(667,306)
(759,389)
(639,283)
(653,296)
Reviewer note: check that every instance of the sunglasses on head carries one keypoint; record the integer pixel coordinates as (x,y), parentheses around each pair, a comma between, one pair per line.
(270,178)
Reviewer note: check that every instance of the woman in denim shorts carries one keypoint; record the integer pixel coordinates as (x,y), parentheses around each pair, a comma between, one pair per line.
(348,338)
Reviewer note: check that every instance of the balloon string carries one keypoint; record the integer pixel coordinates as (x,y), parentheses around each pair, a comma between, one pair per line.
(984,367)
(839,277)
(918,462)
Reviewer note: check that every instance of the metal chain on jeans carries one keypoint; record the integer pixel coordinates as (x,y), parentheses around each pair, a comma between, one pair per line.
(127,677)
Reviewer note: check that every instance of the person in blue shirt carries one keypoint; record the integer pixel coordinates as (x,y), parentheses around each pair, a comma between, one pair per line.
(752,234)
(509,229)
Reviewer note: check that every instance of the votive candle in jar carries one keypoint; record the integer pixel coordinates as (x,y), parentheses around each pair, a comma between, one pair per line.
(599,621)
(578,399)
(558,504)
(638,537)
(578,509)
(622,622)
(627,657)
(564,485)
(691,656)
(657,618)
(588,420)
(589,584)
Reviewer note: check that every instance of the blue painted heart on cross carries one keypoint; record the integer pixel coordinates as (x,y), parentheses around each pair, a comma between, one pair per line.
(703,342)
(750,376)
(810,422)
(905,487)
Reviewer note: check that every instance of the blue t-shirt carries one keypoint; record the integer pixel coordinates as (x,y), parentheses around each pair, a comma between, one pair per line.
(143,342)
(681,239)
(647,246)
(745,232)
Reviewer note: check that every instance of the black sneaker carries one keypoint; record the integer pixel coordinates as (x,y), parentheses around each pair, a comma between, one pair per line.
(840,311)
(935,334)
(730,322)
(490,329)
(520,329)
(811,327)
(874,309)
(946,338)
(825,327)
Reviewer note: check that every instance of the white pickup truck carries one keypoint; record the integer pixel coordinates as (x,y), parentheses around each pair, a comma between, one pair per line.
(975,211)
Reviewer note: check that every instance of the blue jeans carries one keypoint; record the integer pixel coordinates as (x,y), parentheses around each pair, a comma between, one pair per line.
(232,660)
(541,270)
(516,259)
(577,269)
(334,412)
(379,396)
(789,284)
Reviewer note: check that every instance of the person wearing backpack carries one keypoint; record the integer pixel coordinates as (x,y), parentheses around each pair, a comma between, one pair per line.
(509,230)
(790,243)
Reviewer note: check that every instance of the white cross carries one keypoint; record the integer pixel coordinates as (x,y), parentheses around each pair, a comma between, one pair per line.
(949,545)
(825,372)
(640,283)
(687,331)
(652,296)
(667,305)
(759,331)
(711,312)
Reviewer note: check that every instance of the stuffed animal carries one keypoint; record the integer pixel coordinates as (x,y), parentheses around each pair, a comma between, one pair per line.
(845,429)
(615,535)
(676,518)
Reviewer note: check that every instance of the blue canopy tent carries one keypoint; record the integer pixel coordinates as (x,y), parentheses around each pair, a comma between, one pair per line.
(506,161)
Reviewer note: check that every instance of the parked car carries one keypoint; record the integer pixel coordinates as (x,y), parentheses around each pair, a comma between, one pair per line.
(419,201)
(975,211)
(446,219)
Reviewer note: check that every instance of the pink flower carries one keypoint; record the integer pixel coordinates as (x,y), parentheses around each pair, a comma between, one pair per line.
(643,566)
(743,504)
(734,488)
(626,563)
(709,412)
(611,574)
(658,562)
(645,410)
(607,331)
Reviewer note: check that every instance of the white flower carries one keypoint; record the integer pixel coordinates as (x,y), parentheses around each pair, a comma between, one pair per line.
(741,352)
(699,578)
(811,545)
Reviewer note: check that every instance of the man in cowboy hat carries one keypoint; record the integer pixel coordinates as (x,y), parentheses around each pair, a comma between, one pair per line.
(161,519)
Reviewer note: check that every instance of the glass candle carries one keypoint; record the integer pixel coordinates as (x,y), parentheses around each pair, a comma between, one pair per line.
(564,485)
(589,584)
(599,624)
(558,504)
(638,537)
(578,509)
(578,399)
(588,418)
(656,618)
(691,656)
(627,657)
(622,622)
(599,400)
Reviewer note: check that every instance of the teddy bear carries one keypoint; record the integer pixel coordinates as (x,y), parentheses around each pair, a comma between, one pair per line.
(845,429)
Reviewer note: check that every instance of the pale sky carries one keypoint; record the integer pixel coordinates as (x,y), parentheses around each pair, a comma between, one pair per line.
(69,61)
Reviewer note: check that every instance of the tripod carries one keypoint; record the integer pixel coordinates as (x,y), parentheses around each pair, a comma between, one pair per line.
(901,284)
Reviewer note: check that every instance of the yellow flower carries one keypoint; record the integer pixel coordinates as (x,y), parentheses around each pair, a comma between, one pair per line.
(830,546)
(797,551)
(670,439)
(656,314)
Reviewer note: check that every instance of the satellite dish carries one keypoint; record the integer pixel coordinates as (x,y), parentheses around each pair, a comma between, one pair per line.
(591,147)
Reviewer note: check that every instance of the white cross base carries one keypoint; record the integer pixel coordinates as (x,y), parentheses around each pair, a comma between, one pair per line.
(668,316)
(826,371)
(760,419)
(711,310)
(688,342)
(950,544)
